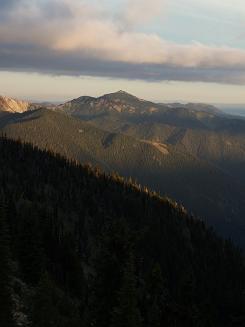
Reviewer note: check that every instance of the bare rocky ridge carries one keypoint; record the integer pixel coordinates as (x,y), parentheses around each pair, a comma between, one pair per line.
(13,106)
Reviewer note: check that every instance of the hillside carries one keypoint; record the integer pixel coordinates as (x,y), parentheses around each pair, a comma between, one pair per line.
(80,248)
(197,129)
(159,166)
(200,131)
(191,152)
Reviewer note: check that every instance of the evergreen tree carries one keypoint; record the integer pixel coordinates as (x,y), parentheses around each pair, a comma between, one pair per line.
(6,305)
(156,297)
(73,278)
(103,283)
(45,313)
(127,313)
(30,252)
(52,308)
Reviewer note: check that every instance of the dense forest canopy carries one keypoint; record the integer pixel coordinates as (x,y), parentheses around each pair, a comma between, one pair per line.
(81,248)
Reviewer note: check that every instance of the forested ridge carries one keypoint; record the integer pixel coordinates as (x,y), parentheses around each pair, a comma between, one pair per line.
(81,248)
(195,166)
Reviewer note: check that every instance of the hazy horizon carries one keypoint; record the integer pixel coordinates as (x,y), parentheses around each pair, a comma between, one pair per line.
(11,85)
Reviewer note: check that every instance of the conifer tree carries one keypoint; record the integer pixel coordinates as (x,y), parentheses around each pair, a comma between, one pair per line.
(127,313)
(103,283)
(6,306)
(112,251)
(30,252)
(44,313)
(157,297)
(53,308)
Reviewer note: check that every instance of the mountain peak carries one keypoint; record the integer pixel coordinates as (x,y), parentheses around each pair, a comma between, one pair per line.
(121,95)
(122,92)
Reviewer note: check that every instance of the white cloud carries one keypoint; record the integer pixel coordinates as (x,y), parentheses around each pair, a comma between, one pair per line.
(142,11)
(74,27)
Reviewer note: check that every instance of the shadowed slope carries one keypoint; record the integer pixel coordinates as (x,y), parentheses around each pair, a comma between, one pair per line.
(86,245)
(200,186)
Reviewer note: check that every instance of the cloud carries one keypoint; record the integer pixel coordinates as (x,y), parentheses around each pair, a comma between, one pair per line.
(142,11)
(74,37)
(6,3)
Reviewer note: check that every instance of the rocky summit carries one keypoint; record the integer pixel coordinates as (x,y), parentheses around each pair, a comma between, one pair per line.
(12,105)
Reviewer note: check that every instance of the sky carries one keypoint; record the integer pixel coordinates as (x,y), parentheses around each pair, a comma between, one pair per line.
(162,50)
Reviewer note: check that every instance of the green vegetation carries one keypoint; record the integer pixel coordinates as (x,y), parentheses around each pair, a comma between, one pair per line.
(105,252)
(148,156)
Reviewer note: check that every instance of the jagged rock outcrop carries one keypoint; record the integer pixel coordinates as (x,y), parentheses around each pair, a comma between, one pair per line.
(14,106)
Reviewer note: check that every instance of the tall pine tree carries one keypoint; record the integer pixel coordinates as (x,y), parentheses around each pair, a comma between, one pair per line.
(6,305)
(156,297)
(30,251)
(127,313)
(52,307)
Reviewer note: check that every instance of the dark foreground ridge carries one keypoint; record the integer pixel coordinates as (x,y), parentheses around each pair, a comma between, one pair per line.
(80,248)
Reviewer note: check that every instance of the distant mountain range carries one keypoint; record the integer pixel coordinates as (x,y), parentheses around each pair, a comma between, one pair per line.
(238,110)
(123,102)
(120,101)
(193,153)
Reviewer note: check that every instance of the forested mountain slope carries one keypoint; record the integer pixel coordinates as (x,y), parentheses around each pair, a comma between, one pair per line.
(79,248)
(201,186)
(198,129)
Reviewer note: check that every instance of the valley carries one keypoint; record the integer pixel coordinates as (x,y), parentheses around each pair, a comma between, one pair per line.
(194,154)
